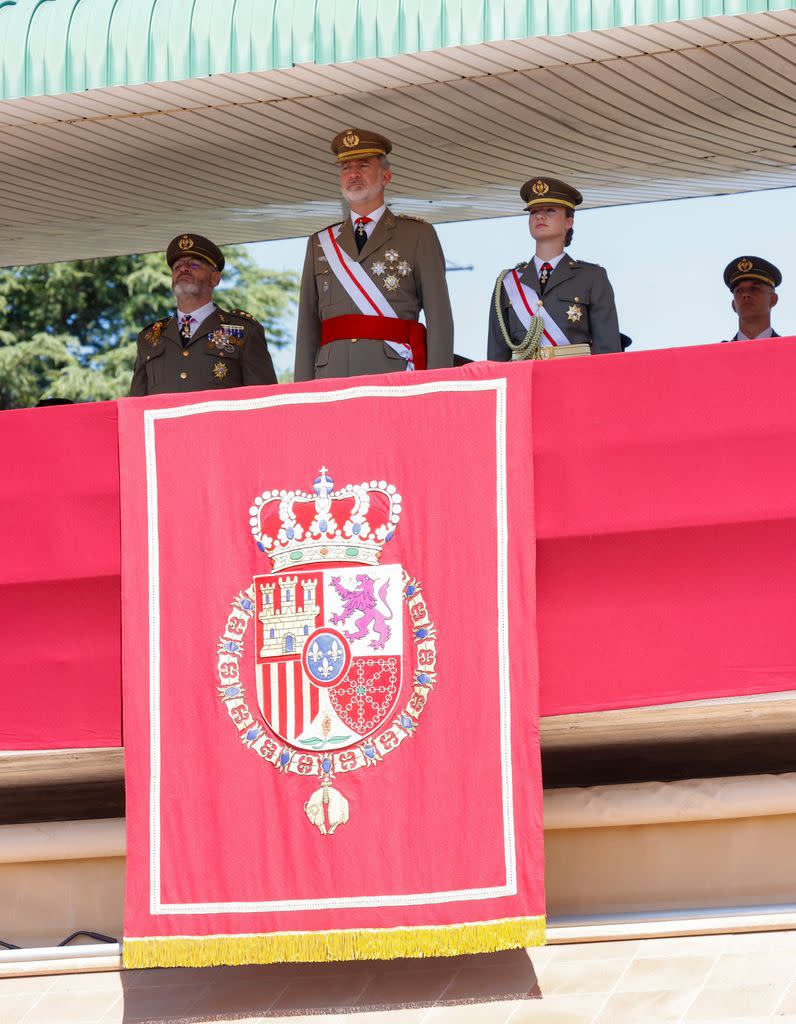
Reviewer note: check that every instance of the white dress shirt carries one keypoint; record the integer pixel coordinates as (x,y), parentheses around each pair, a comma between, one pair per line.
(199,316)
(375,217)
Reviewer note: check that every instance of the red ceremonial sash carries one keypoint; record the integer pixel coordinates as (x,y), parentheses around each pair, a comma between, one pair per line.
(378,328)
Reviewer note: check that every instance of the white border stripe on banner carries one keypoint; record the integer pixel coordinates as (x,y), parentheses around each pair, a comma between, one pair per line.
(287,399)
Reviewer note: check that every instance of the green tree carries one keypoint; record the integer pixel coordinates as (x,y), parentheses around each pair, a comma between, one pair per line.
(67,330)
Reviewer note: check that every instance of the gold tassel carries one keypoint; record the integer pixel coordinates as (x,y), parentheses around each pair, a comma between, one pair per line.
(352,944)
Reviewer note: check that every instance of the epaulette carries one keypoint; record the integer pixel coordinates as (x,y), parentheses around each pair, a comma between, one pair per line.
(243,313)
(409,216)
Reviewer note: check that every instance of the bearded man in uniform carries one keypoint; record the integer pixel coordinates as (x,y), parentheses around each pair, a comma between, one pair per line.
(366,279)
(201,347)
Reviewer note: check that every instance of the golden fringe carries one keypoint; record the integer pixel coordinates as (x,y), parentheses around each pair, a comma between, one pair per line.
(353,944)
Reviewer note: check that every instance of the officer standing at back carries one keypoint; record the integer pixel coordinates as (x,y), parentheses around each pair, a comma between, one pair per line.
(753,281)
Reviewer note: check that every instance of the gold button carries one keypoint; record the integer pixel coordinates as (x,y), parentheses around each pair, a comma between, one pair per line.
(183,375)
(354,341)
(148,358)
(185,352)
(540,303)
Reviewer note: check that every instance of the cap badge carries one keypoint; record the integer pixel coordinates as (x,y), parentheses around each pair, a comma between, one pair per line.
(186,242)
(350,139)
(745,266)
(540,188)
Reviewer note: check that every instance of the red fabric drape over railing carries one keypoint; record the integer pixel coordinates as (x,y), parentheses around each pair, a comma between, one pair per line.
(666,531)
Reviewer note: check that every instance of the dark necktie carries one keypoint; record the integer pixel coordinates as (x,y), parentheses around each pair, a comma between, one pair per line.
(360,234)
(544,275)
(185,327)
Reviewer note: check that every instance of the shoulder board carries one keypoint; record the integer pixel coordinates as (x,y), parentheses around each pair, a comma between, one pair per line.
(408,216)
(521,265)
(337,224)
(243,313)
(158,323)
(583,263)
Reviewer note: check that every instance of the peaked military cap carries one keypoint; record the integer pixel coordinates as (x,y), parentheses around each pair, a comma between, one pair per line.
(549,191)
(751,267)
(359,143)
(195,245)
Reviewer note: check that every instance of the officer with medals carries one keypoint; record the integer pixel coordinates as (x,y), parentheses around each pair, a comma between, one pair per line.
(553,305)
(366,280)
(753,281)
(202,347)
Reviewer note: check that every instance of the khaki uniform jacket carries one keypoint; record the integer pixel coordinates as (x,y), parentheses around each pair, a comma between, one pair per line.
(578,296)
(165,363)
(404,258)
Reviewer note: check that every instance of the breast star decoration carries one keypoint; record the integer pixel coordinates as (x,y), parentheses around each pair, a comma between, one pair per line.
(390,268)
(574,313)
(220,370)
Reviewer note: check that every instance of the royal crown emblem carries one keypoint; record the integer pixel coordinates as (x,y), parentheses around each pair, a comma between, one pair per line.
(350,139)
(320,688)
(186,242)
(745,265)
(540,188)
(350,524)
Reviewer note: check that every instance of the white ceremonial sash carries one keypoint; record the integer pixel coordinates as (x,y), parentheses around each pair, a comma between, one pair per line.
(525,303)
(361,289)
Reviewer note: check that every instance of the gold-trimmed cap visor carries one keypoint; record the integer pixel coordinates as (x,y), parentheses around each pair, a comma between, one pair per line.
(195,245)
(549,192)
(751,268)
(358,144)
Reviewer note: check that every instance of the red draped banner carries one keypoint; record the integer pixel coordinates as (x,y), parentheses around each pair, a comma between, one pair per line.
(330,671)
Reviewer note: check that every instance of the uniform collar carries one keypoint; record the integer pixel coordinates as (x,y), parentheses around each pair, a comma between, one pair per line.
(200,315)
(375,217)
(767,333)
(537,262)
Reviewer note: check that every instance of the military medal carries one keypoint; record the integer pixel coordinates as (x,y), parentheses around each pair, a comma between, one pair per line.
(220,370)
(226,337)
(391,268)
(574,313)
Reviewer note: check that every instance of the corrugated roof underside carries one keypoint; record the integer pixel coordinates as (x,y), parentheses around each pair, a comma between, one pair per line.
(630,115)
(49,47)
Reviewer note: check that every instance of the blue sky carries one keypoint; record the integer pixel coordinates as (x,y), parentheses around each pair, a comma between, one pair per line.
(665,262)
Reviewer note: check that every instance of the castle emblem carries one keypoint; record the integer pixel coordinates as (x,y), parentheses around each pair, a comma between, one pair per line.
(314,663)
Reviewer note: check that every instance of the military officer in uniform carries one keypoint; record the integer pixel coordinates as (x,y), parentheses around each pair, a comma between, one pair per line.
(752,282)
(554,301)
(201,347)
(366,280)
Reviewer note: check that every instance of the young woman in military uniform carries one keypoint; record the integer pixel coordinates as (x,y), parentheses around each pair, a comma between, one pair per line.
(553,302)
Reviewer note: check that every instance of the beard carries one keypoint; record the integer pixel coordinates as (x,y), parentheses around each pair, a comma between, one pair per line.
(184,287)
(360,193)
